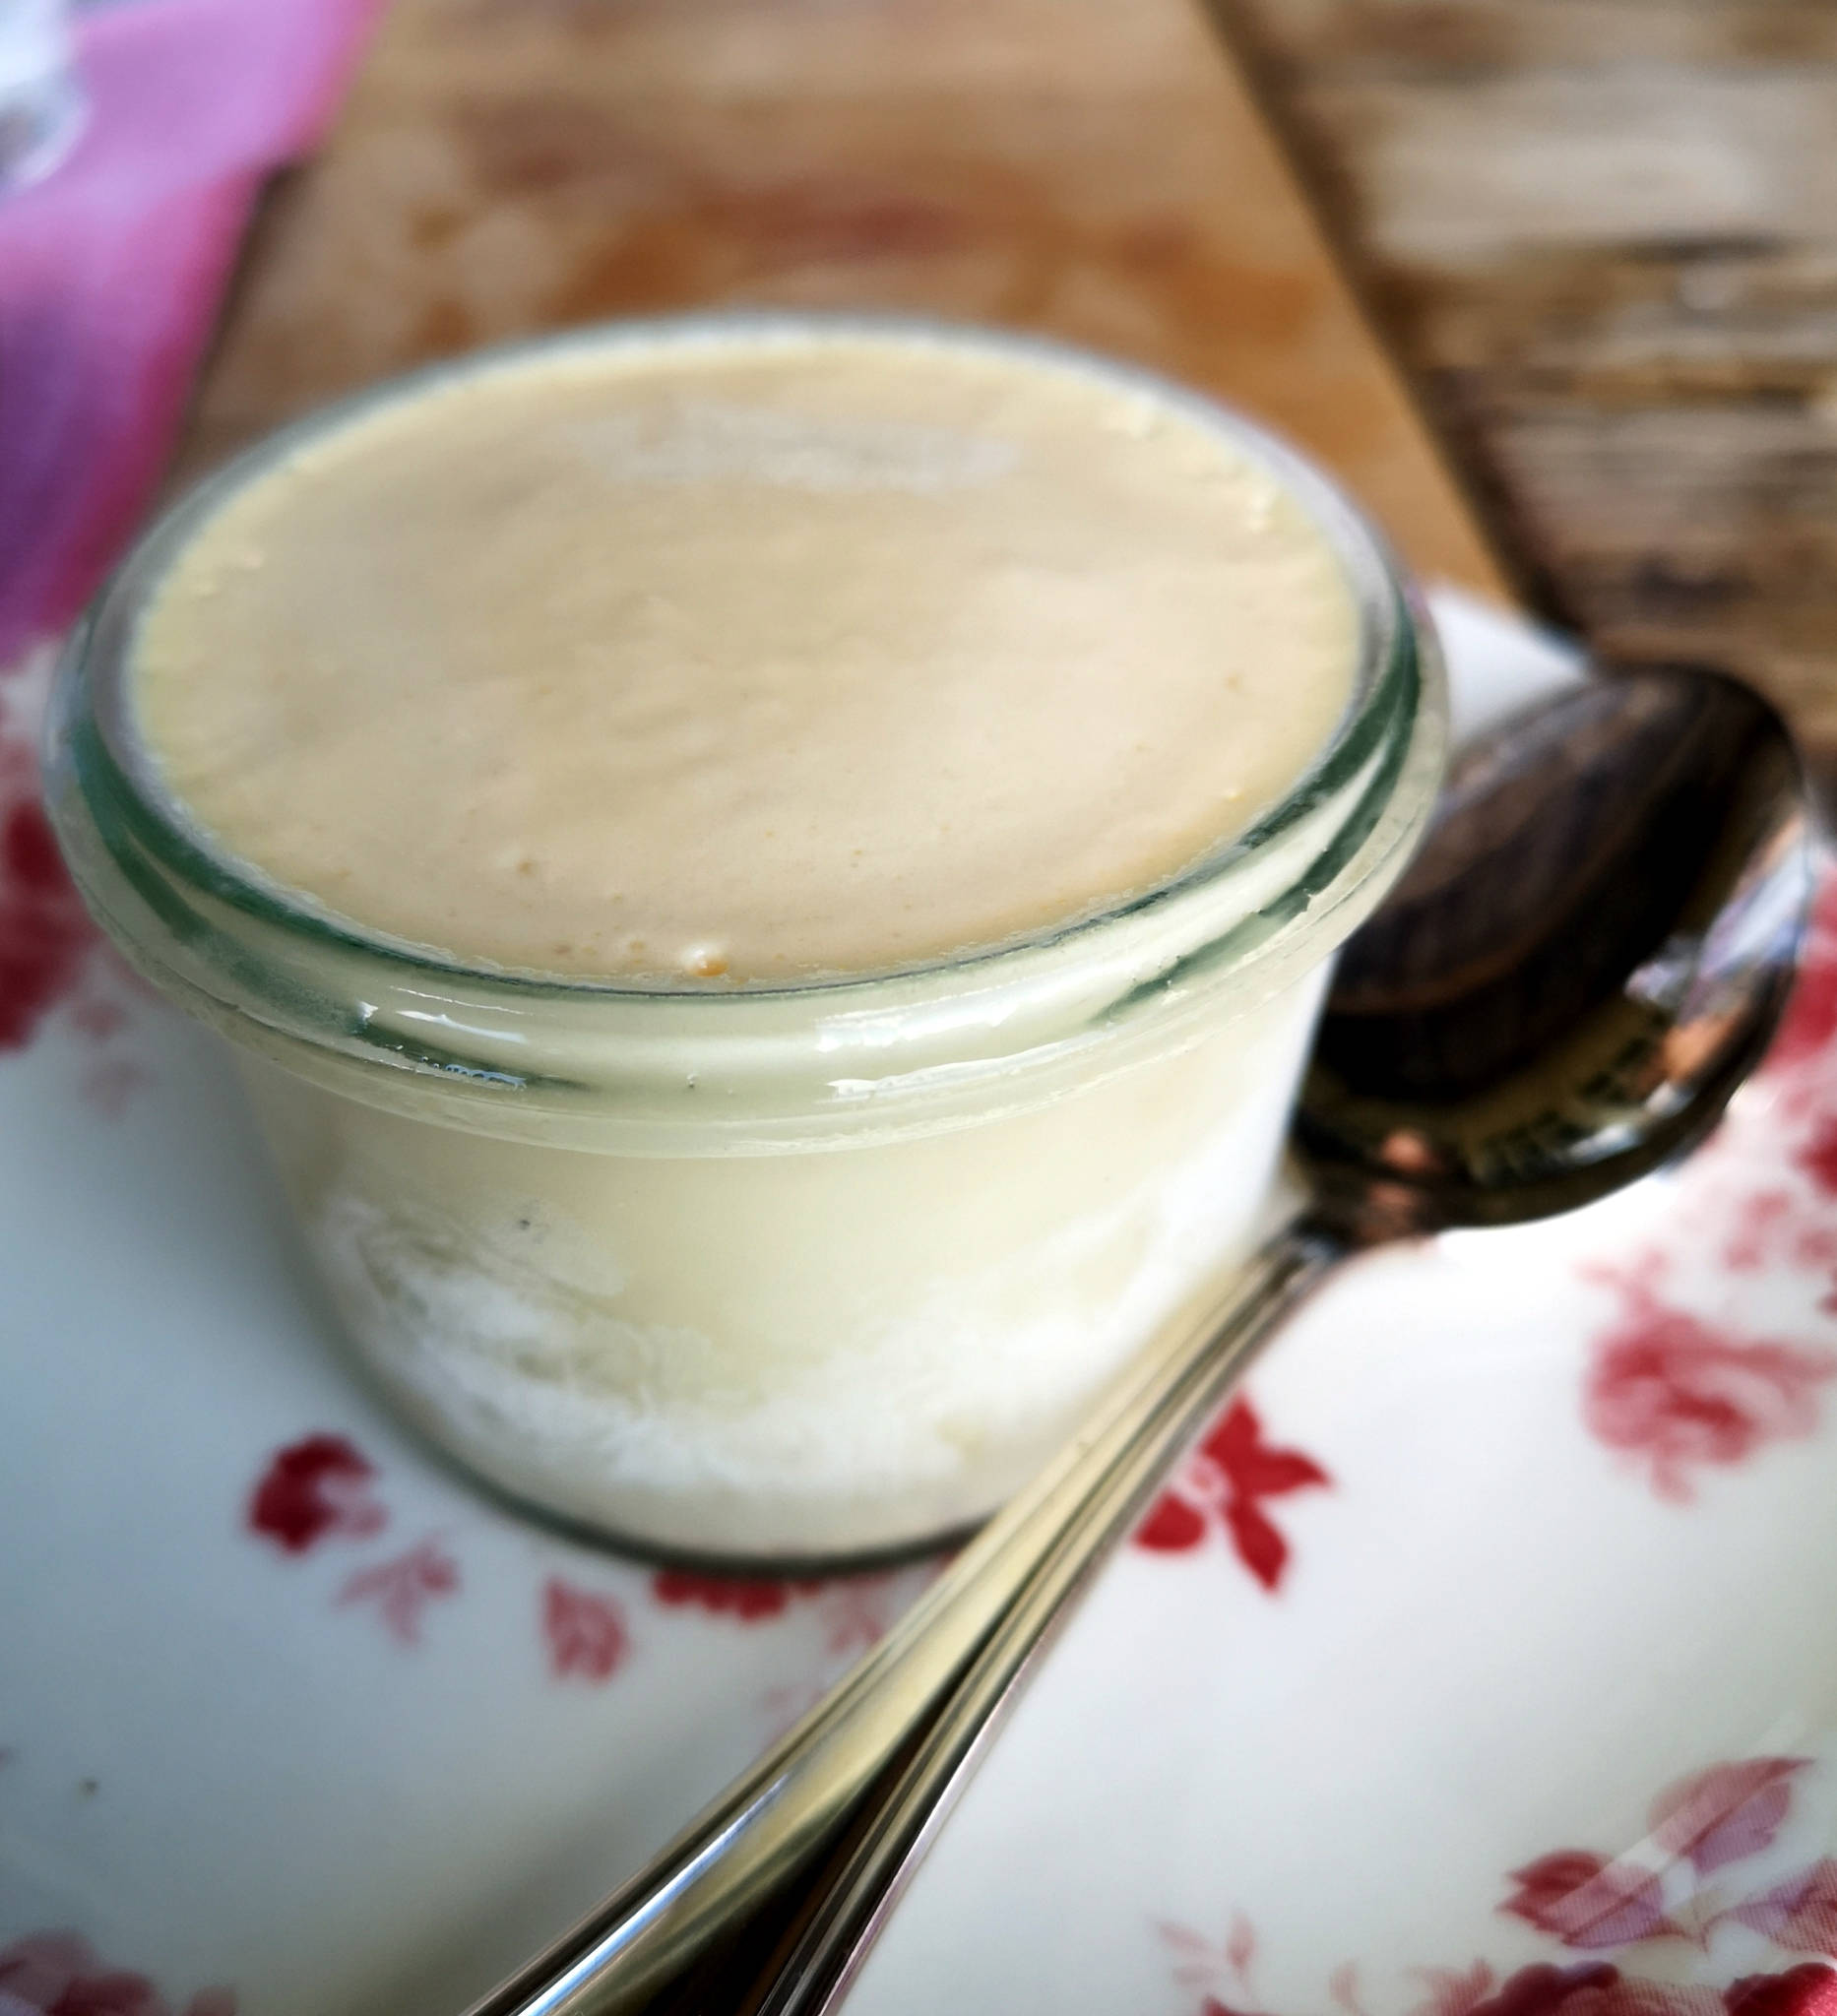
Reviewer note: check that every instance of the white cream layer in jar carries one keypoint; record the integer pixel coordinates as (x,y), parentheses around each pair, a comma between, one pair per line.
(794,1356)
(749,1167)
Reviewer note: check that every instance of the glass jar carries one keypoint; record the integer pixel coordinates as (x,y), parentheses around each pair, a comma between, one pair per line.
(768,1274)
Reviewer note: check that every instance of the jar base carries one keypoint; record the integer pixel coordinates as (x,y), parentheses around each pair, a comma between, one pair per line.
(728,1563)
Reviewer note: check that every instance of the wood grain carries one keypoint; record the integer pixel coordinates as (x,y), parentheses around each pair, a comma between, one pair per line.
(1604,236)
(1094,170)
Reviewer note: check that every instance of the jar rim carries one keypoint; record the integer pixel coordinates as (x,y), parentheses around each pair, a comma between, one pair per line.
(325,995)
(164,822)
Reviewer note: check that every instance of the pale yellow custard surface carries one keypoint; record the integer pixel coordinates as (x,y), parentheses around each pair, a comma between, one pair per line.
(748,658)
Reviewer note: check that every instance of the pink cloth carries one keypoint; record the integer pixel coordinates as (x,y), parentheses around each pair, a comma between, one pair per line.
(111,269)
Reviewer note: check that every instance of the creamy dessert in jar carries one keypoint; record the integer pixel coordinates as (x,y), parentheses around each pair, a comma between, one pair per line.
(772,878)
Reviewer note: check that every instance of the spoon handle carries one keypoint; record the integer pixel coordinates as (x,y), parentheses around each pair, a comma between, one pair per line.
(851,1899)
(874,1764)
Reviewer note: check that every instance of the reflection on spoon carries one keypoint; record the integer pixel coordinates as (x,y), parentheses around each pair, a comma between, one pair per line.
(1588,956)
(1585,959)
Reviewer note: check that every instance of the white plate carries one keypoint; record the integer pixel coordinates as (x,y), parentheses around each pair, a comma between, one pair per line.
(1497,1633)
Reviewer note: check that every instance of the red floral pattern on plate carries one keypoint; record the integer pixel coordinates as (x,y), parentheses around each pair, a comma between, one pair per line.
(1727,1813)
(748,1599)
(585,1633)
(1804,1991)
(1810,1025)
(1800,1066)
(58,1974)
(1700,1826)
(1587,1901)
(1597,1989)
(1800,1912)
(854,1612)
(1225,1483)
(323,1486)
(1683,1886)
(402,1589)
(46,935)
(51,954)
(1678,1388)
(314,1490)
(1667,1387)
(858,1611)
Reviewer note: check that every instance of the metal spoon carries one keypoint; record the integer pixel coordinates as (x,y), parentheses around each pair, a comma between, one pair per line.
(1587,957)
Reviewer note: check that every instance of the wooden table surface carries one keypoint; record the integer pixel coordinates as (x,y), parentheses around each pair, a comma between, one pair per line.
(1600,234)
(1603,234)
(1082,166)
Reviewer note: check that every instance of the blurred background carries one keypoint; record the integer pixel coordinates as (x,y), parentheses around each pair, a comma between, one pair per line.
(1595,240)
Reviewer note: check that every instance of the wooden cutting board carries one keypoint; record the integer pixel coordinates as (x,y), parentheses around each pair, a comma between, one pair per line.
(1090,167)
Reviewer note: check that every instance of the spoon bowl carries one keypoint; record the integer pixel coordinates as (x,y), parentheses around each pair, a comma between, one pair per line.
(1590,952)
